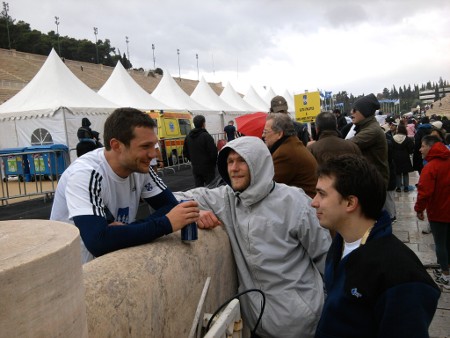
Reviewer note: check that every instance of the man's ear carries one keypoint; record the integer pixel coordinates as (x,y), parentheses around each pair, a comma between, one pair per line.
(115,144)
(352,203)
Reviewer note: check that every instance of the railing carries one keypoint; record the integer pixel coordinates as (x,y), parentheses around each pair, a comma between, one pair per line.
(172,152)
(31,173)
(36,173)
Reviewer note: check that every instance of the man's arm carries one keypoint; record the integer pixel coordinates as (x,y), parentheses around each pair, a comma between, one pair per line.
(211,149)
(425,189)
(402,315)
(315,239)
(101,238)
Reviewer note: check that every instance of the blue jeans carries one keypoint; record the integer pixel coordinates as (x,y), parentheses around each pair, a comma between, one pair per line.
(441,236)
(398,180)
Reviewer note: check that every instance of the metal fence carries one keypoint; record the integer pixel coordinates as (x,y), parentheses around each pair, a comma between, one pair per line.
(172,152)
(31,173)
(36,173)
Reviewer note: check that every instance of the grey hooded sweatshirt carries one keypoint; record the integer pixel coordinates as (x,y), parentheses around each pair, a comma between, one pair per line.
(278,245)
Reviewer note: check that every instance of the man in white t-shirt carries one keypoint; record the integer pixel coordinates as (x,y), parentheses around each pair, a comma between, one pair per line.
(100,192)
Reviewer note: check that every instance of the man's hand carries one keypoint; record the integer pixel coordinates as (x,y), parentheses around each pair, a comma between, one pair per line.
(420,215)
(115,223)
(208,220)
(183,214)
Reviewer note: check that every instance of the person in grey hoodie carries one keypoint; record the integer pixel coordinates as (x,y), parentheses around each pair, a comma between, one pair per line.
(278,245)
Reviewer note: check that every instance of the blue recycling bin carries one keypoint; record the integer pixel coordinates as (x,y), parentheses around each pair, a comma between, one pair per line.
(15,165)
(48,160)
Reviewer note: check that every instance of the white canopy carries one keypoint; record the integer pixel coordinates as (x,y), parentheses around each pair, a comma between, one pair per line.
(269,95)
(170,93)
(204,94)
(255,100)
(290,101)
(124,91)
(230,96)
(50,108)
(54,86)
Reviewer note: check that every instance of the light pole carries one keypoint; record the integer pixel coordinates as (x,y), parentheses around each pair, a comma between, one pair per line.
(6,16)
(128,51)
(57,33)
(153,48)
(96,47)
(198,74)
(179,71)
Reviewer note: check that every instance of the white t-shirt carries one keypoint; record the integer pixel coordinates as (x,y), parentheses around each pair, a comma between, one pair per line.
(349,247)
(90,187)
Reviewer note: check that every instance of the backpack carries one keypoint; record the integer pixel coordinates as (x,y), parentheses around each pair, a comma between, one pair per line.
(302,132)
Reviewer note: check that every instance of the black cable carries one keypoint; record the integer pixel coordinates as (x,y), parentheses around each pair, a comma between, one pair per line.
(237,296)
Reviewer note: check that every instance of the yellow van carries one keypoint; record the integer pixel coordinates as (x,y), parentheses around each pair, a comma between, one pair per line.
(172,130)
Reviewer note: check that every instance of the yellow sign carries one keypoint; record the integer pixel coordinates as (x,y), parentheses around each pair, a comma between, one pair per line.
(307,106)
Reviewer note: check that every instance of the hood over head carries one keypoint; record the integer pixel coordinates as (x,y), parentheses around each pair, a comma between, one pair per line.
(438,150)
(257,156)
(85,122)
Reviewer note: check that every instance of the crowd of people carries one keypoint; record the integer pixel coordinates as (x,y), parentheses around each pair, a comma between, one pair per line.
(309,215)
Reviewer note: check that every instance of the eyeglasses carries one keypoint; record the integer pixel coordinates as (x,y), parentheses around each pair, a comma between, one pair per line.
(265,132)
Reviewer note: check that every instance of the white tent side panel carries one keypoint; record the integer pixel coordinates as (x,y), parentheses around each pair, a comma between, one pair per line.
(214,121)
(53,124)
(8,135)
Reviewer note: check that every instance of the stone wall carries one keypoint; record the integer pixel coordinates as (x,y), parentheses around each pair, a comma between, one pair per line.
(152,290)
(41,284)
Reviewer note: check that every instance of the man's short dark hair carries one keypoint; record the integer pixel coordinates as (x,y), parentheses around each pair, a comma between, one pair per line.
(354,176)
(121,123)
(282,122)
(336,111)
(430,140)
(326,121)
(199,120)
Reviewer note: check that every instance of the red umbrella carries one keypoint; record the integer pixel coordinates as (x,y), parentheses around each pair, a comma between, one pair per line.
(251,124)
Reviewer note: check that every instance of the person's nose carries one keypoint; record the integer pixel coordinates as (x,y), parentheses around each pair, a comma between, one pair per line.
(314,202)
(152,153)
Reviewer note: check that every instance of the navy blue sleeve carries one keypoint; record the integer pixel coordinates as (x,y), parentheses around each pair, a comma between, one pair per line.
(406,310)
(165,200)
(100,238)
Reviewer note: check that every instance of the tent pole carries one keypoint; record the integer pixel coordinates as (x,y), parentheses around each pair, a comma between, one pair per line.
(65,127)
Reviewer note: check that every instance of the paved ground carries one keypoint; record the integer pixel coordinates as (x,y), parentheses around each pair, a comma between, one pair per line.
(408,229)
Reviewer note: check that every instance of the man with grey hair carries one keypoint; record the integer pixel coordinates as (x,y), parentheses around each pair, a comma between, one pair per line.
(329,143)
(294,164)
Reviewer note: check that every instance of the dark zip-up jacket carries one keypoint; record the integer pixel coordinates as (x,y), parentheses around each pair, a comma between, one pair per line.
(380,289)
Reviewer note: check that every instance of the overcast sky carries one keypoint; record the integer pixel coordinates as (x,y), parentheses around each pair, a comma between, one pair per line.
(360,46)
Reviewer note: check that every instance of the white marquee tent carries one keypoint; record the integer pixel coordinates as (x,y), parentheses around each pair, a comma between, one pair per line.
(253,98)
(121,89)
(50,107)
(230,96)
(170,93)
(290,101)
(216,121)
(269,95)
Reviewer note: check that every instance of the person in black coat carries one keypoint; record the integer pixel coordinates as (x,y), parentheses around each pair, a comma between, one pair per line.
(200,149)
(403,147)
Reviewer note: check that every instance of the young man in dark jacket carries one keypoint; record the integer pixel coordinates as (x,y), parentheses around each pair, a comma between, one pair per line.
(200,149)
(376,286)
